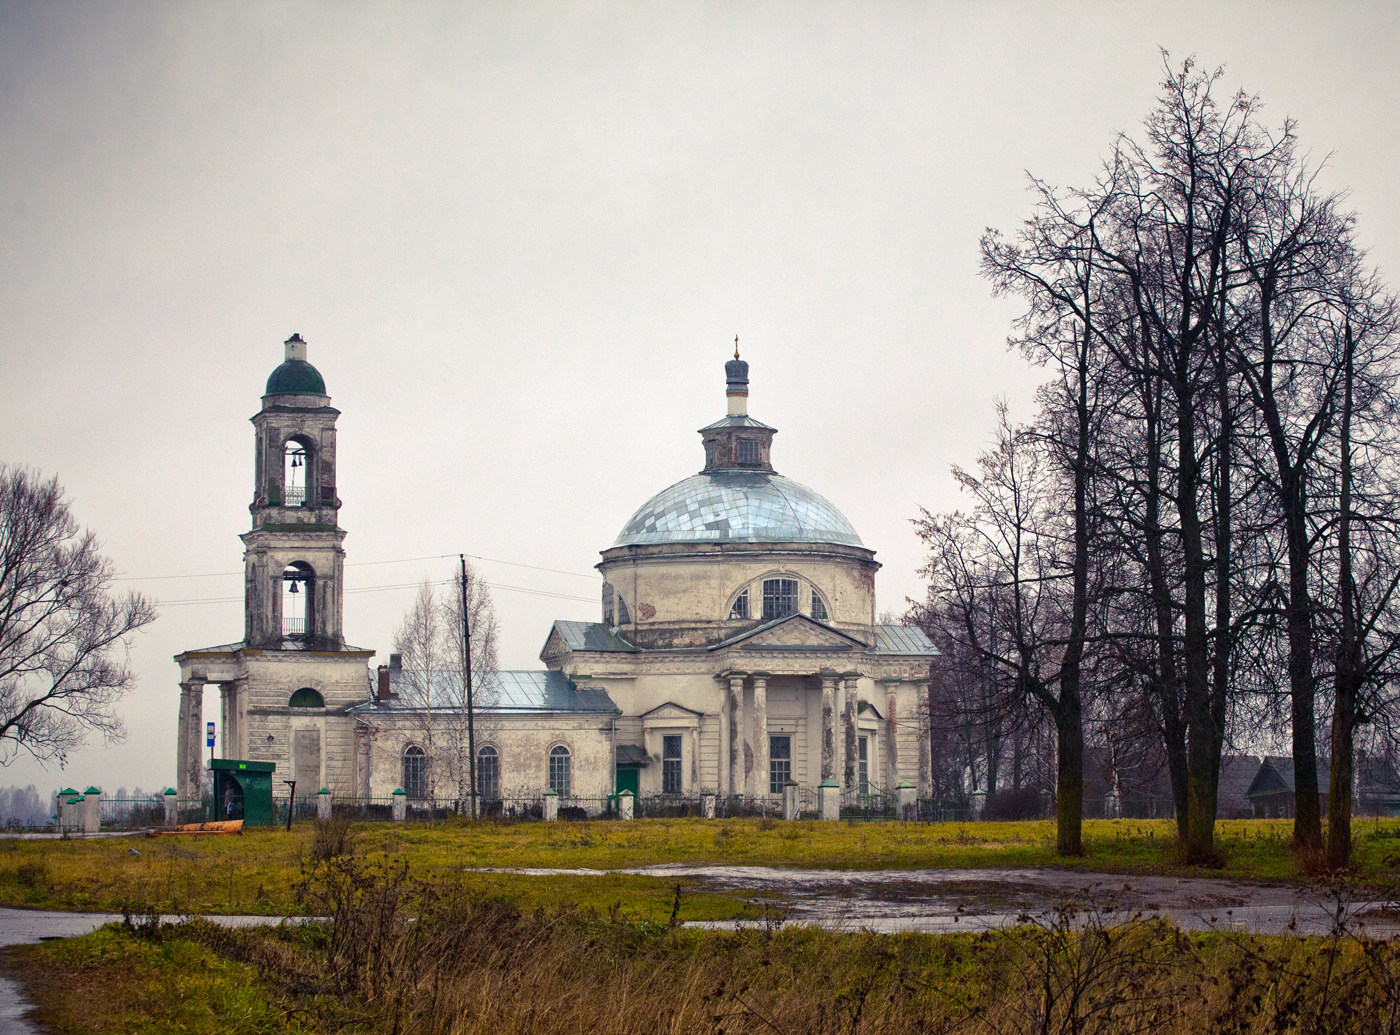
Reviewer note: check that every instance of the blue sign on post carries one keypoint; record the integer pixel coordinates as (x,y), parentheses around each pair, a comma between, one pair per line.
(209,742)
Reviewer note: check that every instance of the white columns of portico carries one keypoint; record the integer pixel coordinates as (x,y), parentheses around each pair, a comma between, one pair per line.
(828,725)
(736,735)
(187,754)
(840,761)
(892,735)
(760,734)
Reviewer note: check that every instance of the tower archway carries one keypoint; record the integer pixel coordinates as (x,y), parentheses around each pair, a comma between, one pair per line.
(298,601)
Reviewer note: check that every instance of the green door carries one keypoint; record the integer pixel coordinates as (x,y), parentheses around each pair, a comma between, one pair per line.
(628,779)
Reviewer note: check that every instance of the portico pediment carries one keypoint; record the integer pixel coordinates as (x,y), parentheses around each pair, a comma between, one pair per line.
(671,713)
(793,633)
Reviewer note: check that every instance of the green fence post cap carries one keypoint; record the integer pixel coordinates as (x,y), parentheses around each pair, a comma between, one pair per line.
(829,782)
(67,790)
(324,790)
(554,793)
(92,790)
(398,790)
(903,784)
(626,792)
(170,790)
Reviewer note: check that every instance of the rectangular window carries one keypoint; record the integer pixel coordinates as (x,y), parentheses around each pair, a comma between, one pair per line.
(779,763)
(863,774)
(671,765)
(779,597)
(488,774)
(608,604)
(741,606)
(748,451)
(818,607)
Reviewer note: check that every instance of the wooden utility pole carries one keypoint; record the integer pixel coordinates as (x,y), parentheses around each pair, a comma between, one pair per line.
(467,674)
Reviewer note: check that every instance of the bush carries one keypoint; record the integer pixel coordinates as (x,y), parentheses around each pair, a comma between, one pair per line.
(1021,803)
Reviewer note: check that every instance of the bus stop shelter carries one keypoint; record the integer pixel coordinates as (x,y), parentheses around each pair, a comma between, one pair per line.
(243,790)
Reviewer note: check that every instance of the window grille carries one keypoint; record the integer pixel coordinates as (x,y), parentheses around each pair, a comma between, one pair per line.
(608,604)
(748,451)
(779,763)
(415,772)
(818,606)
(488,774)
(560,772)
(671,765)
(779,597)
(741,606)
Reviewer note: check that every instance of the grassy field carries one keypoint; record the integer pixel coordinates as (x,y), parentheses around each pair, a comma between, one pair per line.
(259,872)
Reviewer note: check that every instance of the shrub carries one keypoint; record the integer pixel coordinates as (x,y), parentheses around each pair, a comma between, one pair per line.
(1013,804)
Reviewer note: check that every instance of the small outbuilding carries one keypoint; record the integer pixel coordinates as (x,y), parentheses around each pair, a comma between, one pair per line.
(1272,793)
(243,790)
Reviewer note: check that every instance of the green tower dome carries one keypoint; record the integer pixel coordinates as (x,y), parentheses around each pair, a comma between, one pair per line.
(296,376)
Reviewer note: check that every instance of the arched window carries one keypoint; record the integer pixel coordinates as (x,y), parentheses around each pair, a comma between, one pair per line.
(818,606)
(415,772)
(608,604)
(488,774)
(306,698)
(560,771)
(298,591)
(741,605)
(295,460)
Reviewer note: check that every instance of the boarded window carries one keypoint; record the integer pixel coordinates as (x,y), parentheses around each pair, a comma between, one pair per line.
(306,760)
(671,765)
(779,597)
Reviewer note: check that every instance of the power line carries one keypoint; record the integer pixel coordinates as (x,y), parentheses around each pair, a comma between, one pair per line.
(393,586)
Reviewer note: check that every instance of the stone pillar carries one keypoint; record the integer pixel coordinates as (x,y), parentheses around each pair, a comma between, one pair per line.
(92,810)
(828,726)
(908,796)
(851,751)
(841,761)
(892,778)
(1111,805)
(233,711)
(760,736)
(400,805)
(625,805)
(829,801)
(694,758)
(551,806)
(791,808)
(707,806)
(172,811)
(323,804)
(977,802)
(736,736)
(187,745)
(925,748)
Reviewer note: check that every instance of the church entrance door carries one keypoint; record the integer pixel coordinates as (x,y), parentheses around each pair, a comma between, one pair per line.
(629,779)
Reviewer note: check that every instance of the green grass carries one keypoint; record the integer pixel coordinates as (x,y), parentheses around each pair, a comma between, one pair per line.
(259,871)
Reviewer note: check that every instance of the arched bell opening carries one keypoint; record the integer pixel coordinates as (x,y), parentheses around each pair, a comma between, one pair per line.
(297,456)
(298,600)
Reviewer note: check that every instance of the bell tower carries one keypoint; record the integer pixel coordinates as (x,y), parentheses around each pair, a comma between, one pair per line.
(293,561)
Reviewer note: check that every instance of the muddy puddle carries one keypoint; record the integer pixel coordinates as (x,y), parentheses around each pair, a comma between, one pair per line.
(939,901)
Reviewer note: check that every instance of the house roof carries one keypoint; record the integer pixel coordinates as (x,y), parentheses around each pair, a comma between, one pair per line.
(1237,773)
(1275,776)
(501,693)
(903,639)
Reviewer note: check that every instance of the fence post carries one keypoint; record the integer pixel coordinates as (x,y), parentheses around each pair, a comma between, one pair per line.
(400,805)
(172,807)
(625,805)
(707,805)
(829,800)
(92,810)
(977,804)
(551,805)
(908,796)
(791,810)
(323,804)
(1111,808)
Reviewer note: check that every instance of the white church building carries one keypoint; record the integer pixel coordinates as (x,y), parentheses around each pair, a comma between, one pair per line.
(737,647)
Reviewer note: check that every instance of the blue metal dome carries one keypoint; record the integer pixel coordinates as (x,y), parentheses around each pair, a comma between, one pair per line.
(738,507)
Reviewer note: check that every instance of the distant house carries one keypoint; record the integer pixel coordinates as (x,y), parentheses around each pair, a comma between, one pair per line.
(1377,787)
(1272,794)
(1237,774)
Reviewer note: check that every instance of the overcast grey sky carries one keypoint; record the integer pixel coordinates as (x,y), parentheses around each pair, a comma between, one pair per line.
(520,238)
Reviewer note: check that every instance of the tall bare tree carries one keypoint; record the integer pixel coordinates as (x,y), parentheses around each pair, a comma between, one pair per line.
(64,635)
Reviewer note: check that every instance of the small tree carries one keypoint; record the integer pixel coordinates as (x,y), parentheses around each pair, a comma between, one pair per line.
(64,636)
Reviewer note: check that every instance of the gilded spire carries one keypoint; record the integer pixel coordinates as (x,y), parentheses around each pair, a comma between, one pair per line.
(736,346)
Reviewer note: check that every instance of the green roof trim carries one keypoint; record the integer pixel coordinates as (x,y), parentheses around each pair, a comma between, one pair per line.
(296,377)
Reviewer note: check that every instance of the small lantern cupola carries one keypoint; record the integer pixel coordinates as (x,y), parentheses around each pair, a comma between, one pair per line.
(737,441)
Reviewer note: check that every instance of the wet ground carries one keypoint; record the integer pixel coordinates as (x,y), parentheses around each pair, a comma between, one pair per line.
(940,901)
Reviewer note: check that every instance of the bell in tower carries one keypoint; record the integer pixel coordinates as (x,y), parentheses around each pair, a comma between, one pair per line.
(293,560)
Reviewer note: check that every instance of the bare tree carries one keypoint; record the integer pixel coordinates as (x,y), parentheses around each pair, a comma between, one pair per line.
(476,678)
(64,636)
(421,645)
